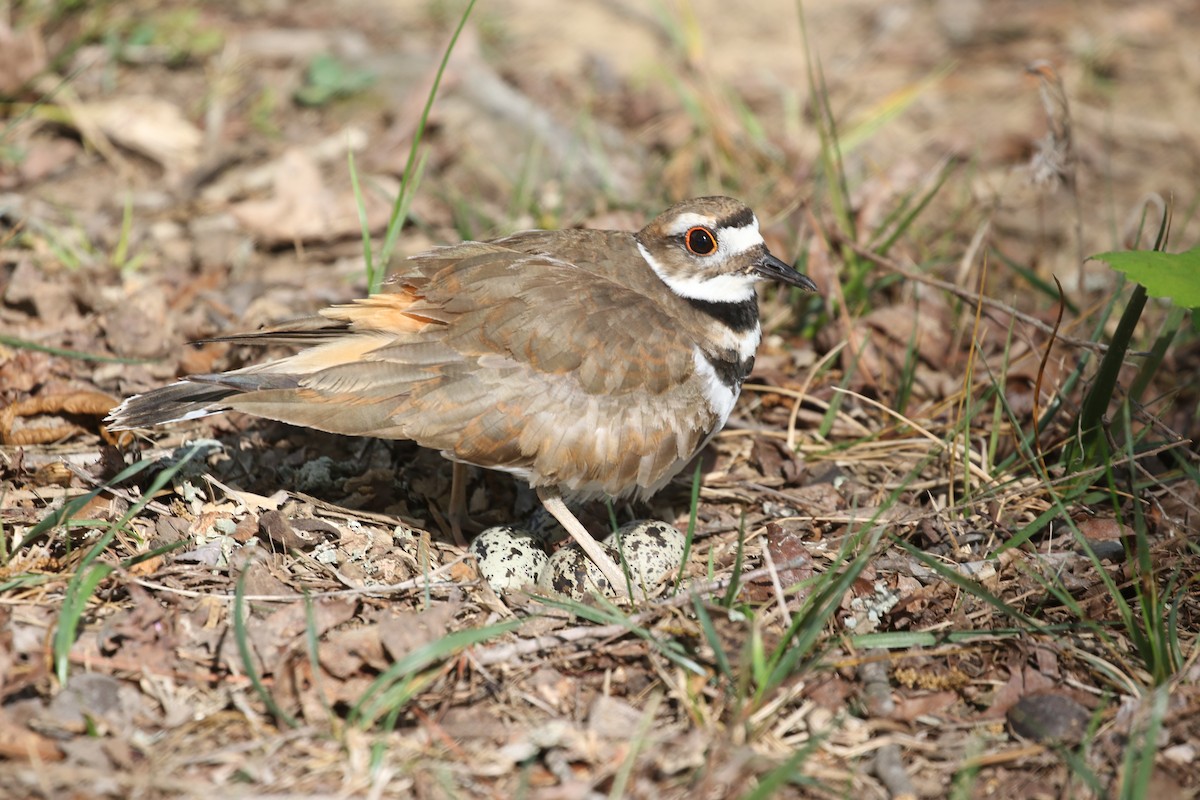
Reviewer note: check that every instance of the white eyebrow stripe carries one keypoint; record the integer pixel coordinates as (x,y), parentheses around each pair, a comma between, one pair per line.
(735,241)
(684,222)
(731,240)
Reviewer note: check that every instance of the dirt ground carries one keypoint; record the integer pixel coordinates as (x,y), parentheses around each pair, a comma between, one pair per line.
(886,595)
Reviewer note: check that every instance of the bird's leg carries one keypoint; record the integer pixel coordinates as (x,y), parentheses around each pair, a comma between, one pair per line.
(552,500)
(456,514)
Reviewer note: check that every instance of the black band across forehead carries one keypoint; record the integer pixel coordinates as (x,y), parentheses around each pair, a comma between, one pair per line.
(738,317)
(738,219)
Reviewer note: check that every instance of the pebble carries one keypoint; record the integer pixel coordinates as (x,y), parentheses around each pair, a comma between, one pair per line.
(1049,717)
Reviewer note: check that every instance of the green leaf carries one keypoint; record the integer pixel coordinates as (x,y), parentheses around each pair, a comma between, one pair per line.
(328,79)
(1172,275)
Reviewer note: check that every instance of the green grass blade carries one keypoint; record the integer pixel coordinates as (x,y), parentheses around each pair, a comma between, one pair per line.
(905,640)
(1030,276)
(1170,329)
(970,586)
(714,640)
(1142,750)
(807,627)
(24,344)
(408,180)
(89,574)
(909,214)
(25,580)
(374,275)
(731,591)
(79,589)
(1104,385)
(770,783)
(637,744)
(242,639)
(608,614)
(312,645)
(395,686)
(690,534)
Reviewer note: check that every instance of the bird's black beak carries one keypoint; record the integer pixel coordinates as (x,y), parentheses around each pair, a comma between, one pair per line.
(772,268)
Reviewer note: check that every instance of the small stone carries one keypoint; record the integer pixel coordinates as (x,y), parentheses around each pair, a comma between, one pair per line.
(1049,717)
(316,476)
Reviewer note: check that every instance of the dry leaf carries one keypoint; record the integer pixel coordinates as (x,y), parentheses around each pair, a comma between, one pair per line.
(139,324)
(83,403)
(51,299)
(408,631)
(42,158)
(303,208)
(909,708)
(344,653)
(18,743)
(150,126)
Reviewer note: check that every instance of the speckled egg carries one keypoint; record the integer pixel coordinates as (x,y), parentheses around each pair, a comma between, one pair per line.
(652,549)
(508,557)
(571,573)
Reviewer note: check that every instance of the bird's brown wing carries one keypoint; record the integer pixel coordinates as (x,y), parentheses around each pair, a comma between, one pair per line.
(497,358)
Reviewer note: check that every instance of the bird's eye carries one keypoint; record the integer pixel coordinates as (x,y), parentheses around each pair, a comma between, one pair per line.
(700,241)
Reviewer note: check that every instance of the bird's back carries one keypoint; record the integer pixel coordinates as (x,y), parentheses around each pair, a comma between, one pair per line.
(567,372)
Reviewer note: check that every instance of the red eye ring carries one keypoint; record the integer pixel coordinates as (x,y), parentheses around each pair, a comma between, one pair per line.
(700,240)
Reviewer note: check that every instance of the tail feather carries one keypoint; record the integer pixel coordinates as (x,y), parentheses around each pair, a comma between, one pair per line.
(346,378)
(302,332)
(194,397)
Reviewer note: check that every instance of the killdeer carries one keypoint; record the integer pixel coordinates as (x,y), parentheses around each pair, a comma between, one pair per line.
(589,363)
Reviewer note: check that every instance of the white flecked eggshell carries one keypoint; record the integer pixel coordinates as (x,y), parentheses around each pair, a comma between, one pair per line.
(508,557)
(652,550)
(571,573)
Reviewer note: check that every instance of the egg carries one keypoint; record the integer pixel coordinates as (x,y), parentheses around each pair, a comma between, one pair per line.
(652,550)
(571,573)
(508,557)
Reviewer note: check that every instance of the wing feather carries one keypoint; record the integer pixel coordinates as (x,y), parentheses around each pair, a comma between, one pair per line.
(496,357)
